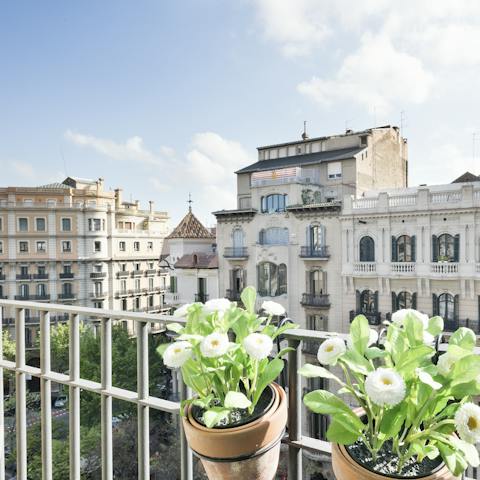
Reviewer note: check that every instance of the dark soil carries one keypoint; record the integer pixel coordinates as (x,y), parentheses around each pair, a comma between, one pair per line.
(387,462)
(239,416)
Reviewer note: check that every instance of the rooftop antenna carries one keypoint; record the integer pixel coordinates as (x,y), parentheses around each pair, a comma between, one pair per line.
(190,201)
(304,134)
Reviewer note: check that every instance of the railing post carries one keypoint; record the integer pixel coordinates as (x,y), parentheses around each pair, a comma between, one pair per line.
(295,410)
(45,396)
(2,416)
(143,411)
(106,399)
(74,397)
(186,456)
(21,394)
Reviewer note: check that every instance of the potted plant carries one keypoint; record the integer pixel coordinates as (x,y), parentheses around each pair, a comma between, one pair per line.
(415,418)
(237,417)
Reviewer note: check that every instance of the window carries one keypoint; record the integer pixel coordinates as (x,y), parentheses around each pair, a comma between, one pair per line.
(367,302)
(23,224)
(123,286)
(66,224)
(97,246)
(98,288)
(136,246)
(367,249)
(1,247)
(137,267)
(123,267)
(150,284)
(150,246)
(23,270)
(334,170)
(122,246)
(23,247)
(150,301)
(237,280)
(40,224)
(446,248)
(124,304)
(316,237)
(42,290)
(41,270)
(446,305)
(316,283)
(404,249)
(137,284)
(96,224)
(273,236)
(137,303)
(67,269)
(272,279)
(66,246)
(41,246)
(173,285)
(1,224)
(403,300)
(67,289)
(24,290)
(274,203)
(97,304)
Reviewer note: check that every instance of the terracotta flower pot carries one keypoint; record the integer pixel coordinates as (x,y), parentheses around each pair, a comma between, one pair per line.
(346,468)
(249,451)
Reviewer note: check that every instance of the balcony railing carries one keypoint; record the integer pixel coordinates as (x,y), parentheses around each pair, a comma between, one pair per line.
(66,296)
(365,268)
(123,274)
(236,252)
(444,268)
(40,276)
(98,274)
(232,295)
(65,275)
(373,318)
(24,276)
(403,268)
(201,297)
(314,252)
(40,298)
(137,273)
(320,300)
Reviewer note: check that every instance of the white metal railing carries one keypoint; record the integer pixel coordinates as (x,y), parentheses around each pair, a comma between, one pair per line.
(444,267)
(403,267)
(363,203)
(365,267)
(445,197)
(402,200)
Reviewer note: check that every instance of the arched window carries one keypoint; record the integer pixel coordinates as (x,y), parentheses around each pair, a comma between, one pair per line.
(274,203)
(367,249)
(273,236)
(368,302)
(446,306)
(404,248)
(272,279)
(445,248)
(403,300)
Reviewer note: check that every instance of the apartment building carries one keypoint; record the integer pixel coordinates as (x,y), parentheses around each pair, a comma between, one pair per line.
(285,236)
(191,257)
(76,243)
(414,248)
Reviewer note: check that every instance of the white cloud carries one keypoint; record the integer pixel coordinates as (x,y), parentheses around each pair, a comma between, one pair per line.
(23,169)
(377,75)
(132,150)
(159,185)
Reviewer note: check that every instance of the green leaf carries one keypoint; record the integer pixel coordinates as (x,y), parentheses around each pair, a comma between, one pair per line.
(466,369)
(435,326)
(326,403)
(392,421)
(284,328)
(464,338)
(271,372)
(356,362)
(469,451)
(413,359)
(462,390)
(360,333)
(214,416)
(203,402)
(414,329)
(427,379)
(454,461)
(174,327)
(431,451)
(343,431)
(375,352)
(236,400)
(248,297)
(315,371)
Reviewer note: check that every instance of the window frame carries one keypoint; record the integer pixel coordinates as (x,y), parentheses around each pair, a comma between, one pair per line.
(44,224)
(62,226)
(19,229)
(366,247)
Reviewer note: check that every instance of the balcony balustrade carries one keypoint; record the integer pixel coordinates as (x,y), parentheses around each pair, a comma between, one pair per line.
(374,318)
(40,298)
(403,268)
(150,271)
(314,253)
(67,296)
(318,300)
(66,275)
(364,268)
(232,295)
(123,274)
(40,276)
(237,253)
(24,276)
(98,275)
(444,268)
(201,297)
(296,442)
(137,273)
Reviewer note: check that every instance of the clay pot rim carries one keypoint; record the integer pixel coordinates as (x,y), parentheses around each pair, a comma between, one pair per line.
(346,454)
(217,431)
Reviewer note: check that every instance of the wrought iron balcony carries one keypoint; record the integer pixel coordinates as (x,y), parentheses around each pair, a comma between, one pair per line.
(201,297)
(98,274)
(65,275)
(320,300)
(233,295)
(236,252)
(315,253)
(40,276)
(24,276)
(40,298)
(373,318)
(66,296)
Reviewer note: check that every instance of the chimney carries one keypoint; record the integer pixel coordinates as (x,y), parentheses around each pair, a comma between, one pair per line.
(151,203)
(137,204)
(118,198)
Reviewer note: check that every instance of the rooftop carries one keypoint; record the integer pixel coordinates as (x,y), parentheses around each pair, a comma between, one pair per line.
(190,227)
(198,260)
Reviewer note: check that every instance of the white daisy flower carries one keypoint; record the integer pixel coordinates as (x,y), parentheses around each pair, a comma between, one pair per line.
(385,387)
(258,345)
(330,350)
(400,315)
(445,364)
(373,338)
(467,421)
(182,311)
(428,338)
(273,308)
(215,345)
(177,354)
(220,305)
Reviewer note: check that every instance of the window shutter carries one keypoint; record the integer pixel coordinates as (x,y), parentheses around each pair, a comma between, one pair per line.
(394,250)
(394,301)
(413,243)
(375,301)
(357,301)
(455,307)
(456,248)
(414,300)
(434,248)
(434,304)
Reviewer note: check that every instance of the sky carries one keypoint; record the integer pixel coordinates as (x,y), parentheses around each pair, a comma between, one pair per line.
(166,97)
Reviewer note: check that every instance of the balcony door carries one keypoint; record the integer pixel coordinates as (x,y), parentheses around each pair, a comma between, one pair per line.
(316,237)
(202,286)
(238,238)
(237,280)
(24,290)
(316,282)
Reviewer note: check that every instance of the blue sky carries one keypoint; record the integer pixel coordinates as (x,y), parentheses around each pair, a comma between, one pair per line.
(166,97)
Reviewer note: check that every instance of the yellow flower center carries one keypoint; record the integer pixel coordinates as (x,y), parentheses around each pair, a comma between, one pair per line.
(329,348)
(472,423)
(259,341)
(386,381)
(215,343)
(177,350)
